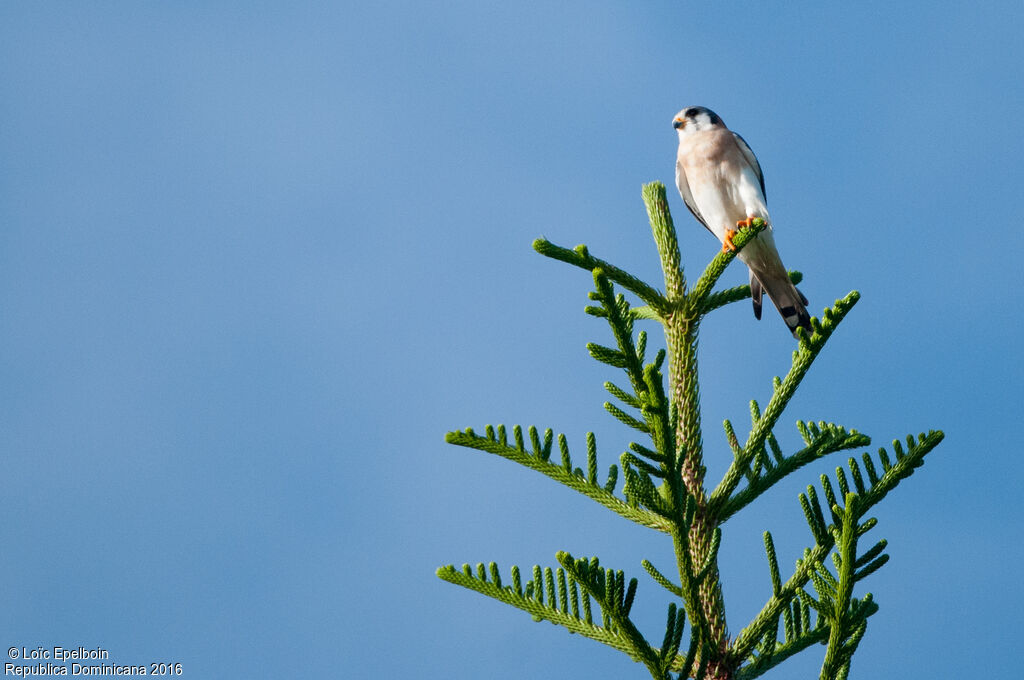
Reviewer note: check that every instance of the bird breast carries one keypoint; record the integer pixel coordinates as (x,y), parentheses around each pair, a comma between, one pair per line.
(724,186)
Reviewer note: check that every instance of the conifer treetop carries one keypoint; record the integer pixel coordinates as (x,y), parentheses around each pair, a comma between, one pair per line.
(660,483)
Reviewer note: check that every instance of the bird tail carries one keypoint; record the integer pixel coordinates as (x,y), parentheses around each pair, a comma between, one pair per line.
(768,275)
(790,302)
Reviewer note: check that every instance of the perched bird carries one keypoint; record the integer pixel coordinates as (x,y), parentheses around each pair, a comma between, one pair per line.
(721,182)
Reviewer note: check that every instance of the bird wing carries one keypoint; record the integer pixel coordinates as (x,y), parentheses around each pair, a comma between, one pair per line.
(749,156)
(755,294)
(684,191)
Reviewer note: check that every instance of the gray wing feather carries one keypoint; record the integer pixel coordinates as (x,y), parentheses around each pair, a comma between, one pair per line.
(755,294)
(752,159)
(684,191)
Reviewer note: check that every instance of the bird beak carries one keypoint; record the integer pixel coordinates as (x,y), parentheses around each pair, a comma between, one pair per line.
(679,123)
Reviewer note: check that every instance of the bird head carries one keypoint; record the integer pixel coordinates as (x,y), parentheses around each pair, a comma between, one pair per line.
(694,119)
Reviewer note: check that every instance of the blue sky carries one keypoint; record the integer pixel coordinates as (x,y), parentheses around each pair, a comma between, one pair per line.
(256,259)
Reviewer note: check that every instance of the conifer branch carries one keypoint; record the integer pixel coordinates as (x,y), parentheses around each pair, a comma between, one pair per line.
(542,601)
(668,654)
(581,257)
(846,622)
(809,567)
(906,462)
(607,589)
(662,580)
(576,479)
(803,357)
(761,664)
(645,312)
(689,583)
(617,315)
(769,614)
(830,439)
(664,231)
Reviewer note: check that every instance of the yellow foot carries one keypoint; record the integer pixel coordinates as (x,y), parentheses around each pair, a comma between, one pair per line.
(727,243)
(730,233)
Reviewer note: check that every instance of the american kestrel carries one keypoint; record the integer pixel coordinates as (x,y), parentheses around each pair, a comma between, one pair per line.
(721,182)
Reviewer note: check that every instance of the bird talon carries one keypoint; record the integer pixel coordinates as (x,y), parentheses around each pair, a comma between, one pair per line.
(727,243)
(730,233)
